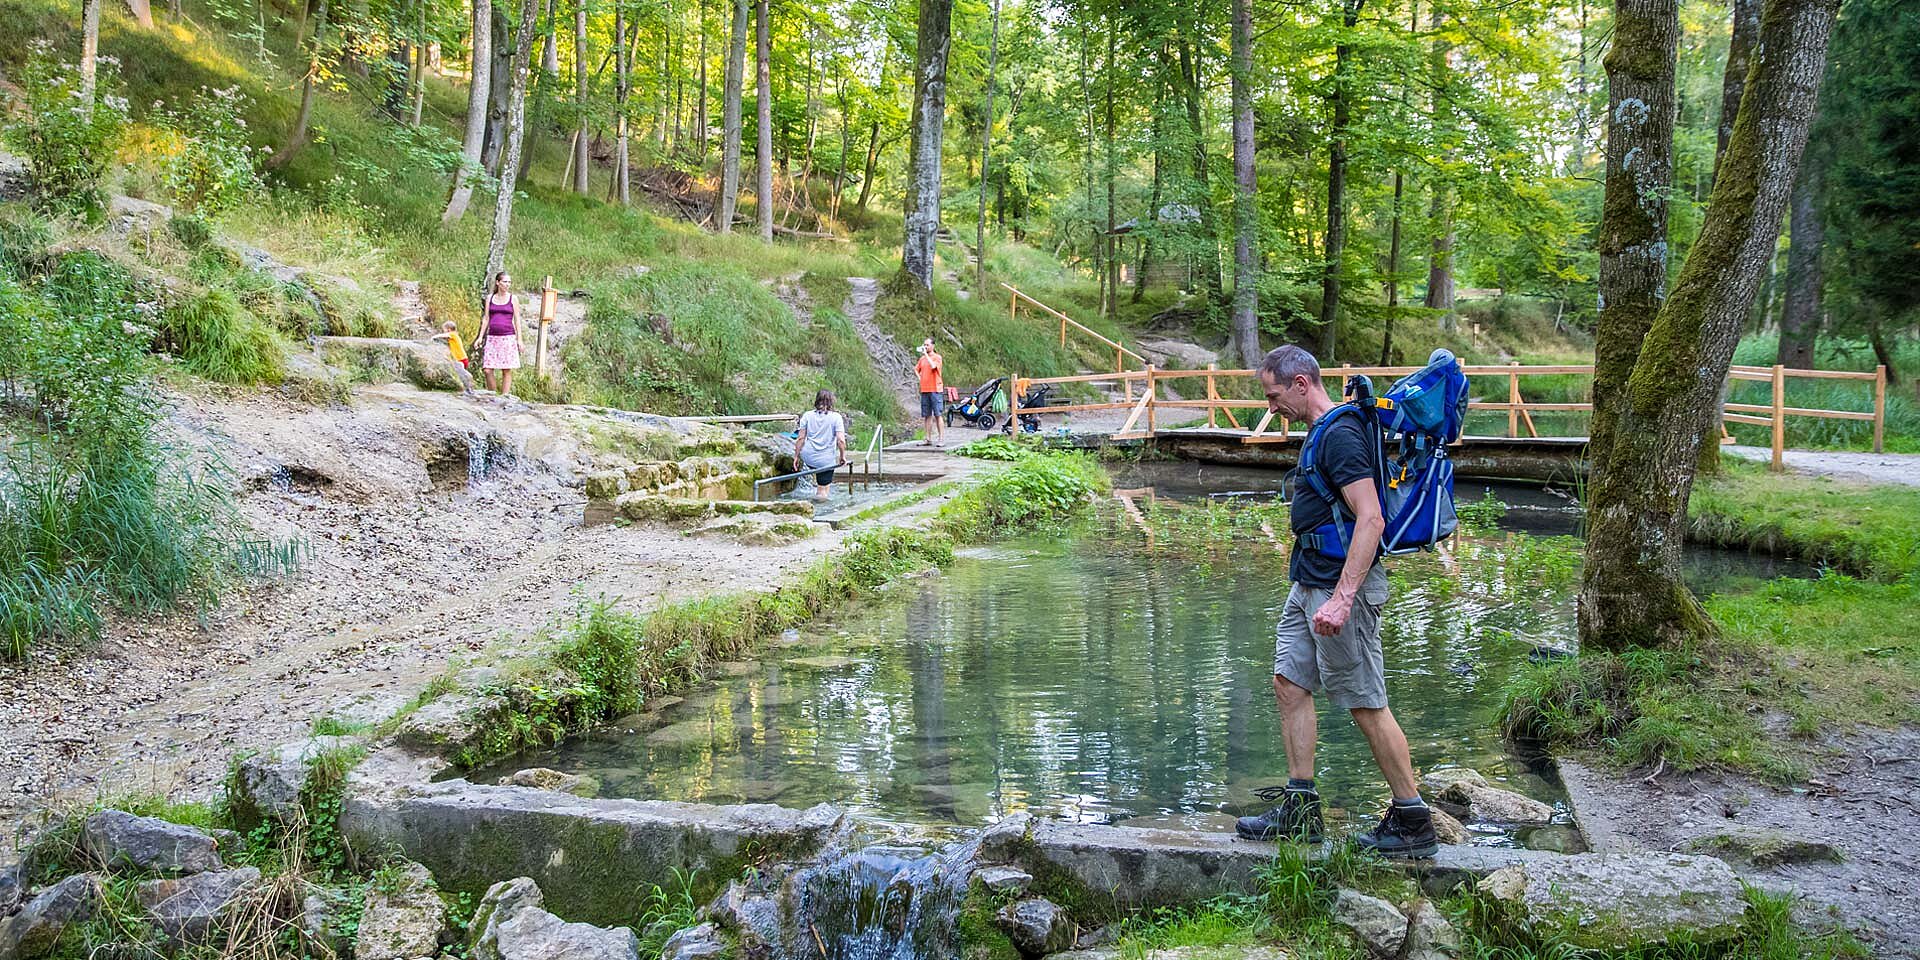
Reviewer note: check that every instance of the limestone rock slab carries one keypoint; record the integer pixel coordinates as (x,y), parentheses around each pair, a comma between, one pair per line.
(403,919)
(120,840)
(190,909)
(1379,925)
(1617,900)
(37,926)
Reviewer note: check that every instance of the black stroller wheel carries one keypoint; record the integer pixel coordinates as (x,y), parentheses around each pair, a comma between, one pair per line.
(986,422)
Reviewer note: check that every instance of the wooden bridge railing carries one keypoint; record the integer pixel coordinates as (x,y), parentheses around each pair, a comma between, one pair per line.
(1120,353)
(1142,419)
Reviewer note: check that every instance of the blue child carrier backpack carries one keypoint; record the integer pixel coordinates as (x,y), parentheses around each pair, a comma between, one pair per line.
(1414,422)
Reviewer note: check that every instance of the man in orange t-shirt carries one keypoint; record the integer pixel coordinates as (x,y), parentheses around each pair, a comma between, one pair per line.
(933,396)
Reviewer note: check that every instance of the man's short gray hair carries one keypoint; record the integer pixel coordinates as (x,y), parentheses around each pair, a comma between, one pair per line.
(1287,361)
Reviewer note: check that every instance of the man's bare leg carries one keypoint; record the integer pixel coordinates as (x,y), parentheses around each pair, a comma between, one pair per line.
(1299,726)
(1389,749)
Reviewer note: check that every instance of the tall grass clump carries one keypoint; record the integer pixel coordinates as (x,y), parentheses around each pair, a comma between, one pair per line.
(215,337)
(93,510)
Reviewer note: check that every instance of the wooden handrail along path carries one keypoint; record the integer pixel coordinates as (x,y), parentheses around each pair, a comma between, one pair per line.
(1142,422)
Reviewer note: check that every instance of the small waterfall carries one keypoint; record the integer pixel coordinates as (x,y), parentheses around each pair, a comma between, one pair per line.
(880,903)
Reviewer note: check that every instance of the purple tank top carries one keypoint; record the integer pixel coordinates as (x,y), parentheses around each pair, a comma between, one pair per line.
(499,318)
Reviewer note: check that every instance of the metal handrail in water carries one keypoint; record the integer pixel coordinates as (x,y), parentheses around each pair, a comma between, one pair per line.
(873,458)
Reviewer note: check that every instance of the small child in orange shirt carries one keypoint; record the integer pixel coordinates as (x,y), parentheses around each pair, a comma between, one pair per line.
(456,351)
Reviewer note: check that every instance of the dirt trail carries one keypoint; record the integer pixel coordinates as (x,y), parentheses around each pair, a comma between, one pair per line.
(1861,801)
(414,567)
(1897,468)
(893,361)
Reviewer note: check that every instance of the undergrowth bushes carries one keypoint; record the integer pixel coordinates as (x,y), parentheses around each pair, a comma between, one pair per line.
(215,337)
(93,509)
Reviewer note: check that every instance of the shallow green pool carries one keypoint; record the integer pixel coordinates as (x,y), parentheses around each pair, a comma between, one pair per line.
(1080,679)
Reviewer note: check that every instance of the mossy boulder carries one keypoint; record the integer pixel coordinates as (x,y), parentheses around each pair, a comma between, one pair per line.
(1762,847)
(642,506)
(1618,901)
(606,484)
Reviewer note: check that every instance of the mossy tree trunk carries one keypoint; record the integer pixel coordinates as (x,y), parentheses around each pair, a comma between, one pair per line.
(1633,220)
(1631,591)
(986,156)
(1746,30)
(923,151)
(763,142)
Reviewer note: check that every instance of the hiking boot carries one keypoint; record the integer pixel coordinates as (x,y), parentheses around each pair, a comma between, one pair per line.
(1404,833)
(1297,818)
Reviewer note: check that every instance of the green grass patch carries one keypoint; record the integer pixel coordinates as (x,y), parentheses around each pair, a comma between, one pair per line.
(1864,529)
(1795,658)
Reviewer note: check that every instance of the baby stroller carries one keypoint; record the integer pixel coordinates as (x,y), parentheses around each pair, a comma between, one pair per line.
(1039,396)
(977,407)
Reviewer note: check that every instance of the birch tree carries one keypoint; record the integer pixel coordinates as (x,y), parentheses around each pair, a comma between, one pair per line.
(516,136)
(475,139)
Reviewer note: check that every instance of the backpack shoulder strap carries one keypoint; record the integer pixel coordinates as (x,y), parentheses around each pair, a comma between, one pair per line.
(1310,468)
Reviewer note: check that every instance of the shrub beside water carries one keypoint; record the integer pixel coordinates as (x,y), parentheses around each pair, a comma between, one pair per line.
(94,511)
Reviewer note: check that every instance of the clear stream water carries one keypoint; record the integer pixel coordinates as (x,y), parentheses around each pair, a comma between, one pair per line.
(1082,679)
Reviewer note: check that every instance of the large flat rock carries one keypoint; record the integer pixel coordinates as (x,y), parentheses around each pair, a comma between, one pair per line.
(588,856)
(1114,869)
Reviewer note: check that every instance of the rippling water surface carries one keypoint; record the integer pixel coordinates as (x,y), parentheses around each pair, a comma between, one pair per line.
(1080,680)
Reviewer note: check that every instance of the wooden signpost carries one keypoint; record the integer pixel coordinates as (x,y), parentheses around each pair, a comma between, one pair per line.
(549,297)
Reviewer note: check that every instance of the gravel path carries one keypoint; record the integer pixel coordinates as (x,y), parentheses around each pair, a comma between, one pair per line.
(414,569)
(1897,468)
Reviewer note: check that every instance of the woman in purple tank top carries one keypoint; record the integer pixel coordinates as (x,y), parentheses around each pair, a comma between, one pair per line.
(501,349)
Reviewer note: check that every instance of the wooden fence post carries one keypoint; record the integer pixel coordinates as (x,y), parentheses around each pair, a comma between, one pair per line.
(1779,417)
(1879,407)
(548,299)
(1212,395)
(1150,398)
(1513,399)
(1013,304)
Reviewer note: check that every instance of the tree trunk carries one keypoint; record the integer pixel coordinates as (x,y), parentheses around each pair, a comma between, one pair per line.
(142,11)
(1153,201)
(1095,245)
(1393,274)
(1190,80)
(477,86)
(1806,233)
(1246,213)
(1336,245)
(1111,301)
(89,52)
(298,137)
(580,53)
(700,103)
(923,146)
(730,120)
(763,92)
(543,89)
(419,65)
(1440,211)
(1631,590)
(498,87)
(986,157)
(1746,29)
(522,68)
(622,75)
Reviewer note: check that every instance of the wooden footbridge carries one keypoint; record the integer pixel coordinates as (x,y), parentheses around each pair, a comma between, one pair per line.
(1206,413)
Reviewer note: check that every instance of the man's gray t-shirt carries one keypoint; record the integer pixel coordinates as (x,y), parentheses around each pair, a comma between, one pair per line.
(1346,454)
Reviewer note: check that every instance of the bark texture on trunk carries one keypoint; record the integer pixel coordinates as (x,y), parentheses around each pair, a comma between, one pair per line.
(142,11)
(1631,590)
(580,96)
(1806,235)
(986,157)
(1246,213)
(622,86)
(1336,245)
(1440,210)
(730,120)
(476,112)
(498,77)
(763,93)
(1190,84)
(1633,219)
(89,51)
(925,133)
(516,138)
(1746,30)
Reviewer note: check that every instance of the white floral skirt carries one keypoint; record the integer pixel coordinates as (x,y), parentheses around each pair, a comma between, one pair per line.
(502,353)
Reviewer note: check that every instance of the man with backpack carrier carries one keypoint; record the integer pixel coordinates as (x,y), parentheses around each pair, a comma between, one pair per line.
(1352,502)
